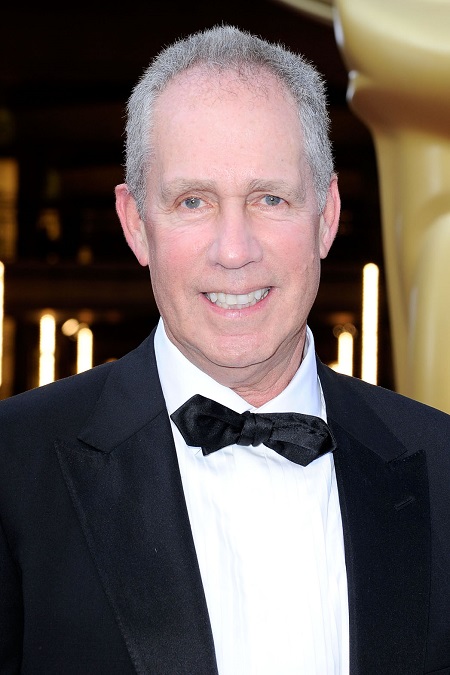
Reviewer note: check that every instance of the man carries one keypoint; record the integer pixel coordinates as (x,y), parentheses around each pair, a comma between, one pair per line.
(126,548)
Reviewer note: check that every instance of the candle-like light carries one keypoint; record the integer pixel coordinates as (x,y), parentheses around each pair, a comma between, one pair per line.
(85,343)
(345,353)
(369,357)
(47,342)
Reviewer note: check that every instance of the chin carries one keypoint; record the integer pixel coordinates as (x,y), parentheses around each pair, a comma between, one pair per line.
(239,357)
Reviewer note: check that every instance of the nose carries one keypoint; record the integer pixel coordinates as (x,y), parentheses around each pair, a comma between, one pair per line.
(236,241)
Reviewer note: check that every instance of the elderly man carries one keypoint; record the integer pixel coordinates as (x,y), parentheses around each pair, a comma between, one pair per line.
(218,501)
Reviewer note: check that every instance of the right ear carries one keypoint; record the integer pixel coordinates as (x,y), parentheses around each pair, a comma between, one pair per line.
(132,225)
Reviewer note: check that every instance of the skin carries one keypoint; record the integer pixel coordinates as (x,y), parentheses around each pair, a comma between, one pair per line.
(230,207)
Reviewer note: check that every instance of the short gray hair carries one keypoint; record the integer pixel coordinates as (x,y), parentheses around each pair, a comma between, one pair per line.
(229,48)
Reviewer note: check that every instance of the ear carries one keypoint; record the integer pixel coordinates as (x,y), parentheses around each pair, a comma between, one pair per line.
(132,225)
(329,218)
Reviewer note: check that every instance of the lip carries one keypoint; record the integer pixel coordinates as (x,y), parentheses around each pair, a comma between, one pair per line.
(232,302)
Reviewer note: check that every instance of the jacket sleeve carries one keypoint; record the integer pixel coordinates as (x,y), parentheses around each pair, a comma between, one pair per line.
(11,611)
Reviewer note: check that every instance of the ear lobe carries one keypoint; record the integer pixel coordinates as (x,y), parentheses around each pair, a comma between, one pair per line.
(329,218)
(132,225)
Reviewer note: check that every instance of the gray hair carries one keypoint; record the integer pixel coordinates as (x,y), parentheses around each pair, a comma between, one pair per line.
(229,48)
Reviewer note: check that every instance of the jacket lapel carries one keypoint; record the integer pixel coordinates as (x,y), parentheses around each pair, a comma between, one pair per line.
(383,492)
(123,477)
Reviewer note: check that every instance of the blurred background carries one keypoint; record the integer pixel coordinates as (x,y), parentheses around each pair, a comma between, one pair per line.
(73,294)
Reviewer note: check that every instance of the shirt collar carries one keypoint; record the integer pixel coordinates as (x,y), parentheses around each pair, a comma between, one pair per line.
(180,380)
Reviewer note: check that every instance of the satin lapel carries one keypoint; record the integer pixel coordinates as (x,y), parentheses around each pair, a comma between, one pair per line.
(123,477)
(383,492)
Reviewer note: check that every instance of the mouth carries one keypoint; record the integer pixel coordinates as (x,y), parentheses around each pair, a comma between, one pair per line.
(237,301)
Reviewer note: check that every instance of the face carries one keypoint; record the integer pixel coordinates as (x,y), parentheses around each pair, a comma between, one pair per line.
(231,233)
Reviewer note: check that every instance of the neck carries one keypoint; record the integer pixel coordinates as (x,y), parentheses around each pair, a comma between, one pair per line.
(260,382)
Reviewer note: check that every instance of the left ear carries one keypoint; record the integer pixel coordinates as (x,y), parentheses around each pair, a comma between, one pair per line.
(329,218)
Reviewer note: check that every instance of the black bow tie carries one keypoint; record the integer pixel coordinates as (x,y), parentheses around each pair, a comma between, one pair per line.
(211,426)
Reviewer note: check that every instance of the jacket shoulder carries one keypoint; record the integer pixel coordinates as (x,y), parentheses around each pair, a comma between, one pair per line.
(70,397)
(349,399)
(66,404)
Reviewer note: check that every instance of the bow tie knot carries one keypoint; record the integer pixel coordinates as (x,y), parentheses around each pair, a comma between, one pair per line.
(207,424)
(256,429)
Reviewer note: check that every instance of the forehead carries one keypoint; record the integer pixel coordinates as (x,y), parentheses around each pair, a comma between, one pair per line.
(201,87)
(230,128)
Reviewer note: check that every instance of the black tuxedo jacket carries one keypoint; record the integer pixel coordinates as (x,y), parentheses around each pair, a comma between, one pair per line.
(98,571)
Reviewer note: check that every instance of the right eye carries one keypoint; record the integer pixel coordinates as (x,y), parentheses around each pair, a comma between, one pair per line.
(193,202)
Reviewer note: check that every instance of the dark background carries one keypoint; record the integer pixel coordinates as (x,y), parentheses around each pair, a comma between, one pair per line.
(65,75)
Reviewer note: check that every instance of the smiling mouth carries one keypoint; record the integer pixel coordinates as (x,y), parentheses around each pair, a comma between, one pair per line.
(235,301)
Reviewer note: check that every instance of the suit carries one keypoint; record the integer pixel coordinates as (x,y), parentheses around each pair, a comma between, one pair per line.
(98,571)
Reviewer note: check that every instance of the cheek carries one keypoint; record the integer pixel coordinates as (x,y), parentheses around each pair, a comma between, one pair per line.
(173,266)
(299,257)
(300,266)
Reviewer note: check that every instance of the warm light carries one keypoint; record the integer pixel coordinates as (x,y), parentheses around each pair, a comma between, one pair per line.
(369,358)
(345,353)
(47,330)
(85,342)
(2,300)
(344,363)
(345,334)
(9,184)
(70,327)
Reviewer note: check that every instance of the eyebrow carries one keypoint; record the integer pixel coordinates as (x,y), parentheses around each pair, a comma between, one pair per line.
(273,187)
(183,186)
(180,186)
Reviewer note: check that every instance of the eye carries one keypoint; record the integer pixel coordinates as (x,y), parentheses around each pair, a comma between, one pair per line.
(272,200)
(192,202)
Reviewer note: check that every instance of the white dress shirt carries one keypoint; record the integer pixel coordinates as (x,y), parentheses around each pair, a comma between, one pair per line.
(267,532)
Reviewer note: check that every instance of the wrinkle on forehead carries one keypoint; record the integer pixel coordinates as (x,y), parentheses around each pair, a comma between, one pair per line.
(210,84)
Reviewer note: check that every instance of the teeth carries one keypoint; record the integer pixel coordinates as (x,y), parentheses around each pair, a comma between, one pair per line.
(237,301)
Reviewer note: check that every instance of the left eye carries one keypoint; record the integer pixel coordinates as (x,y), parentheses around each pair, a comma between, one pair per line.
(272,200)
(192,202)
